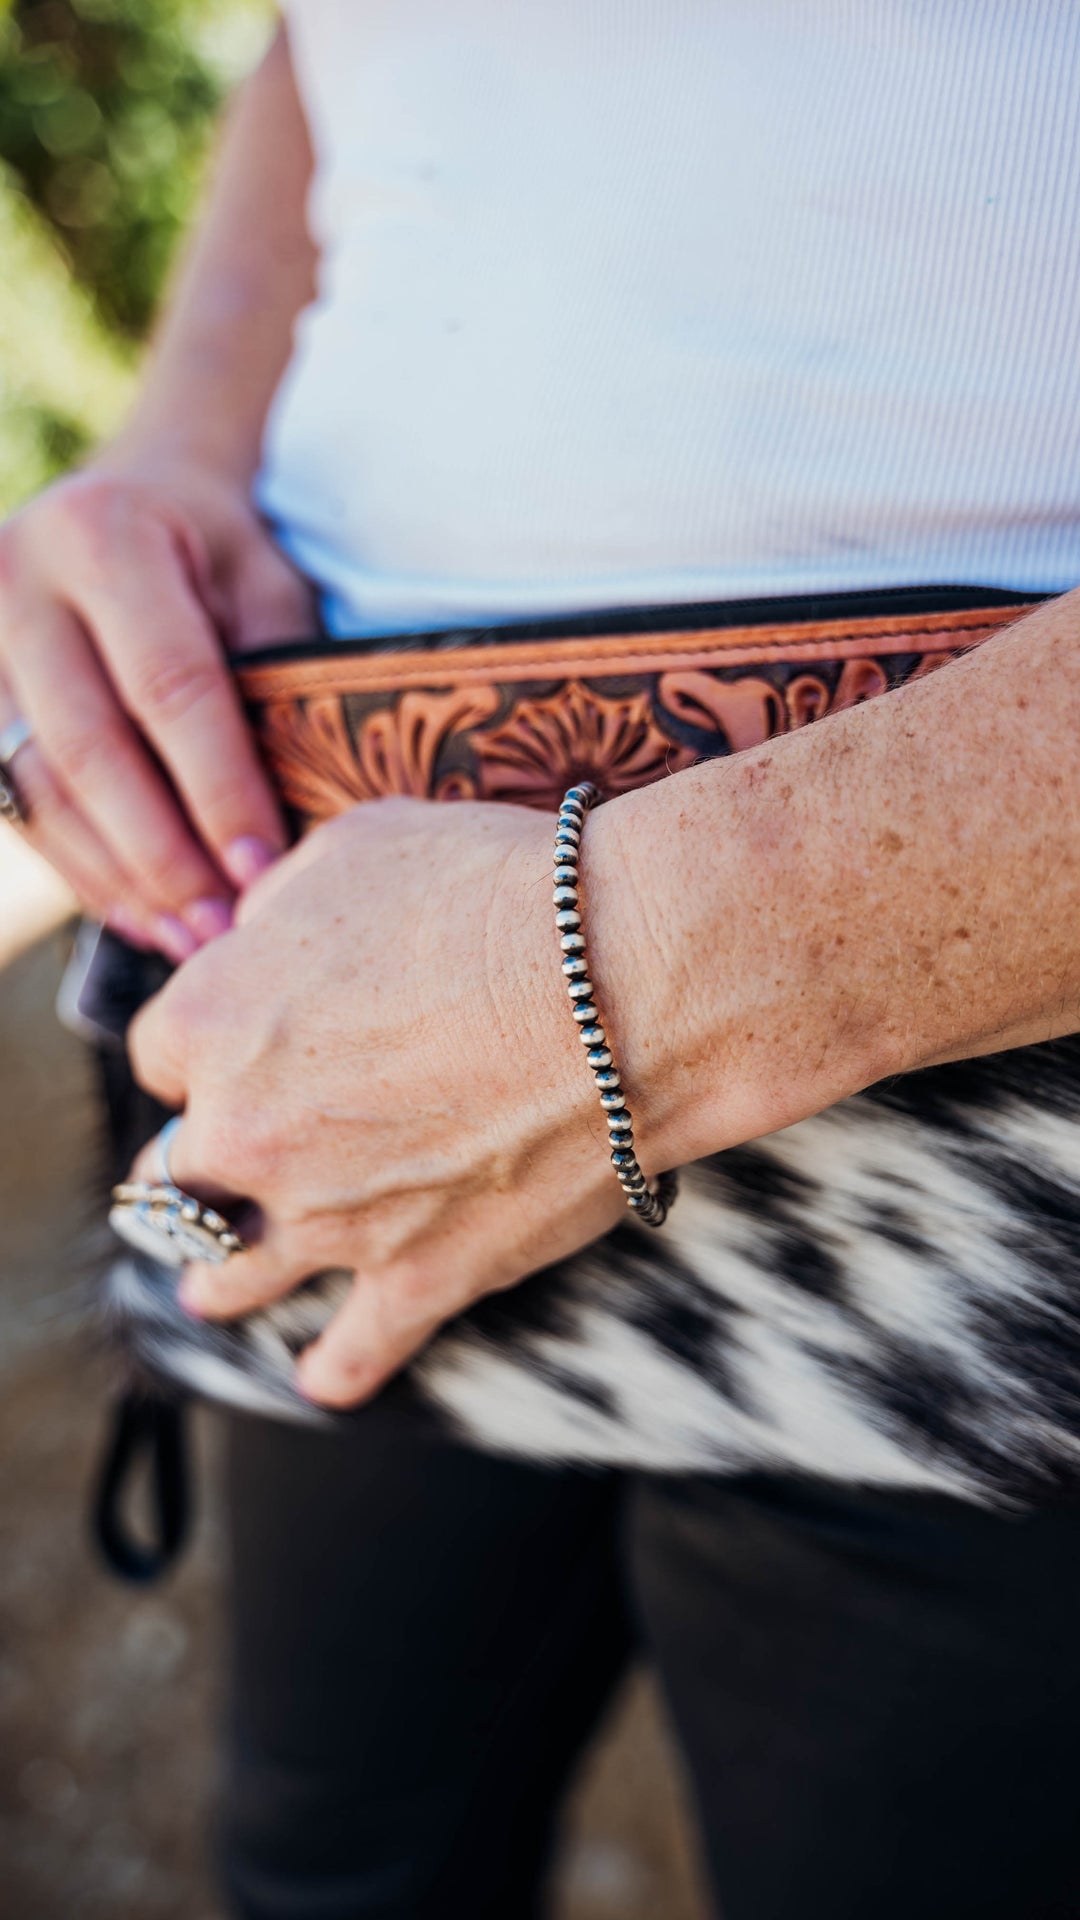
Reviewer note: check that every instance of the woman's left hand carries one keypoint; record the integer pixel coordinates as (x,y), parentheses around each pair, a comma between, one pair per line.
(381,1057)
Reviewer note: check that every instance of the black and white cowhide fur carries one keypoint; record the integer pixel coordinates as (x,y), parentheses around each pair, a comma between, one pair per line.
(887,1293)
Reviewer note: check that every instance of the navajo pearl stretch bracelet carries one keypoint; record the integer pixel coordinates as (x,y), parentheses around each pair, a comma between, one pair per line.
(649,1205)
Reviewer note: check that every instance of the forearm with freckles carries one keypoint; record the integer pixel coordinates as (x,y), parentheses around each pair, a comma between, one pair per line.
(892,887)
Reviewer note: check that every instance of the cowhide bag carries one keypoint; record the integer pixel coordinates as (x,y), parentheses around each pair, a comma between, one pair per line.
(888,1292)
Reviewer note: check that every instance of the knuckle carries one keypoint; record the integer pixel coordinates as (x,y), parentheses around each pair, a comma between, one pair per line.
(167,871)
(354,1375)
(238,1148)
(190,1004)
(81,750)
(165,1031)
(226,1154)
(263,1147)
(151,1048)
(87,513)
(216,1144)
(168,688)
(233,784)
(100,520)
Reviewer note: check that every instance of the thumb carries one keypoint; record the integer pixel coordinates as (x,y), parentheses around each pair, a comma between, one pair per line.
(269,599)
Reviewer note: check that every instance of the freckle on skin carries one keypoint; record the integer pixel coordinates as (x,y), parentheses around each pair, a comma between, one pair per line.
(891,841)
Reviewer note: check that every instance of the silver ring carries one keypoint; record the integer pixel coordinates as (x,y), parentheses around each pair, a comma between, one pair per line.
(12,737)
(164,1146)
(160,1219)
(172,1226)
(13,807)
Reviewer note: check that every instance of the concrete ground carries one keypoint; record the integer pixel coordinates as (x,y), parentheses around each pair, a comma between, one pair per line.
(107,1694)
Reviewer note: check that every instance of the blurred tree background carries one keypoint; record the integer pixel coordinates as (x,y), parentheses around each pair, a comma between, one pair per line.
(106,113)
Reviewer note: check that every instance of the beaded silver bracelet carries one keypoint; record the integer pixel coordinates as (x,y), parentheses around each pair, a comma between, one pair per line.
(649,1204)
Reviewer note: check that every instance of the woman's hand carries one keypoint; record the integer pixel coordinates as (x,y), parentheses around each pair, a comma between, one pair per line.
(381,1056)
(120,591)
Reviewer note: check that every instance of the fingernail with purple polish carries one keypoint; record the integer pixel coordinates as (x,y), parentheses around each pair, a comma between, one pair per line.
(208,918)
(174,939)
(245,859)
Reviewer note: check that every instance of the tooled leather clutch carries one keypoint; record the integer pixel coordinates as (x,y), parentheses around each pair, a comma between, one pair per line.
(519,713)
(649,1352)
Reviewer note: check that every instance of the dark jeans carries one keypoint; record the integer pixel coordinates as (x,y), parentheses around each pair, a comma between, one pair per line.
(878,1697)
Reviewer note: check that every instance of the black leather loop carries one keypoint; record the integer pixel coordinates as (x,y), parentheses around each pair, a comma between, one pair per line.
(150,1432)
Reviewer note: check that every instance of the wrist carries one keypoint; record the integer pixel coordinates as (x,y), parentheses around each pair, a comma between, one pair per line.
(159,450)
(526,984)
(735,1009)
(638,961)
(529,990)
(181,465)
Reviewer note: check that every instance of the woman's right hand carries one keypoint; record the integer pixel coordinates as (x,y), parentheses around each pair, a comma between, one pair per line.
(122,590)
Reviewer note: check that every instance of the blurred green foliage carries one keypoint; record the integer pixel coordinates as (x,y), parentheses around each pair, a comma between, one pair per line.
(105,107)
(106,113)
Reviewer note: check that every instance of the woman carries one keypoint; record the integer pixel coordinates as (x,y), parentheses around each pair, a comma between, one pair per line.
(614,307)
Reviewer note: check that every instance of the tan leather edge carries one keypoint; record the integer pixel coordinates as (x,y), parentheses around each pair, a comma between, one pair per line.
(395,670)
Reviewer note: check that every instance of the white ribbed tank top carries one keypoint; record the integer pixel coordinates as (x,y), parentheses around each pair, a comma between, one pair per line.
(630,301)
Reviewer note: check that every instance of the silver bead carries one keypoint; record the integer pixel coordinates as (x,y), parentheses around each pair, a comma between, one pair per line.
(586,1013)
(572,942)
(609,1101)
(567,919)
(565,875)
(571,816)
(593,1036)
(607,1079)
(566,896)
(599,1057)
(575,963)
(619,1123)
(580,989)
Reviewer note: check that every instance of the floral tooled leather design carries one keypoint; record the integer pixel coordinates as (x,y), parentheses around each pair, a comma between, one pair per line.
(577,733)
(522,721)
(323,765)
